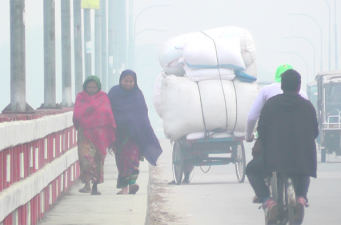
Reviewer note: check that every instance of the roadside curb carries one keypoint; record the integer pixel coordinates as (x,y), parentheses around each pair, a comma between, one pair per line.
(159,190)
(147,220)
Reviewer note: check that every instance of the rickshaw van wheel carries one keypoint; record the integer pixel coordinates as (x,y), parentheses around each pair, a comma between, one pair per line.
(240,163)
(323,155)
(178,163)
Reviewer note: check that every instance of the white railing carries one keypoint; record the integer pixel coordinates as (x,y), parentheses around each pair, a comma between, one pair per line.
(38,161)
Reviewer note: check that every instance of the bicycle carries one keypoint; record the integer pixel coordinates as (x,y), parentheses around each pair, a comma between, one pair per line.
(282,190)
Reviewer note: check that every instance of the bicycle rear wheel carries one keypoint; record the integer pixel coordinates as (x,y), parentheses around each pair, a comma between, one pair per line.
(290,200)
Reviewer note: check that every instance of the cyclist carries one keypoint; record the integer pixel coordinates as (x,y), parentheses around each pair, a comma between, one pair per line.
(264,94)
(287,130)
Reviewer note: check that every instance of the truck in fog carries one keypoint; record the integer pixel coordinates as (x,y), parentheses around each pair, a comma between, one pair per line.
(329,112)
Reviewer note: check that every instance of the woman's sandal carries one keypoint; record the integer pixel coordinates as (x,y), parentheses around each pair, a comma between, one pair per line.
(124,191)
(94,190)
(133,188)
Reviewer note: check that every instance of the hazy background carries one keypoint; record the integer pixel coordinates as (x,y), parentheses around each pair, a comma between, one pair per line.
(267,20)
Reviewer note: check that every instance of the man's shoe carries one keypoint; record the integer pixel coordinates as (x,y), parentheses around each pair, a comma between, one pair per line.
(301,203)
(270,207)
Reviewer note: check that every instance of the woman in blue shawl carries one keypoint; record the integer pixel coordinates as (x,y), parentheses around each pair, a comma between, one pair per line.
(135,137)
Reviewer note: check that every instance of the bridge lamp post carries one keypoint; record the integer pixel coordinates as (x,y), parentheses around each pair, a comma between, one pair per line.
(329,35)
(144,47)
(302,14)
(335,31)
(136,34)
(18,59)
(132,29)
(304,38)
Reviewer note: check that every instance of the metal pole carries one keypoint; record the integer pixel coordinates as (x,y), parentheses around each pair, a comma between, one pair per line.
(329,43)
(123,36)
(104,58)
(49,55)
(18,70)
(87,42)
(116,38)
(66,53)
(131,35)
(133,43)
(111,27)
(98,43)
(311,45)
(302,14)
(335,31)
(78,52)
(120,30)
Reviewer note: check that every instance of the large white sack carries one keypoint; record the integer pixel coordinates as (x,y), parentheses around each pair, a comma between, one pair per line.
(251,69)
(171,50)
(157,93)
(209,74)
(183,107)
(246,95)
(205,52)
(247,45)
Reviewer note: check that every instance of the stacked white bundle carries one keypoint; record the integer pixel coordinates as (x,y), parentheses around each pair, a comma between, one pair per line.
(237,41)
(198,90)
(189,106)
(208,59)
(157,94)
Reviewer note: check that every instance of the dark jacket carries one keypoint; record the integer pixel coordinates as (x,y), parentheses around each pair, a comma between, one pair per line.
(287,129)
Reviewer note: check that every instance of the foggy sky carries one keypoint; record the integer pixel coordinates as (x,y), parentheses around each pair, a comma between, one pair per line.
(267,21)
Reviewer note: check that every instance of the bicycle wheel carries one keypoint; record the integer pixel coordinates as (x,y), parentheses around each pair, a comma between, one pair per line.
(240,163)
(282,216)
(290,200)
(273,186)
(178,163)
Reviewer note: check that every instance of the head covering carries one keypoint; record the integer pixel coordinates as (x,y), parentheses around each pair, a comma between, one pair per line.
(127,73)
(281,69)
(92,78)
(93,115)
(131,115)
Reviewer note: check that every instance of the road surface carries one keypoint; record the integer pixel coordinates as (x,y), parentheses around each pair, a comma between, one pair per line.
(217,198)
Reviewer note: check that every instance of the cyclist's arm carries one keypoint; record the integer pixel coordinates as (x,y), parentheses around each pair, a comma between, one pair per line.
(253,116)
(262,125)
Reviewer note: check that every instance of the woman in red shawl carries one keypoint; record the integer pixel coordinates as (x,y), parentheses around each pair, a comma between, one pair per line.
(96,128)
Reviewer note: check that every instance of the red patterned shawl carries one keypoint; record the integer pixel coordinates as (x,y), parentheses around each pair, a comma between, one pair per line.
(93,114)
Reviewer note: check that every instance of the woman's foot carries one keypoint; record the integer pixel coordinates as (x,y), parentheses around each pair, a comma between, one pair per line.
(94,190)
(186,179)
(86,188)
(123,191)
(133,188)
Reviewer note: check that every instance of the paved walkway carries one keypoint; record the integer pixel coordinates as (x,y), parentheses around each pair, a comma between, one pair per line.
(108,208)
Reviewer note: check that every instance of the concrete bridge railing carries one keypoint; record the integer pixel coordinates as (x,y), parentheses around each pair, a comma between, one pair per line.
(38,161)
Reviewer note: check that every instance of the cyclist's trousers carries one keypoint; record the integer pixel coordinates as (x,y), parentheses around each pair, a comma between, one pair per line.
(256,173)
